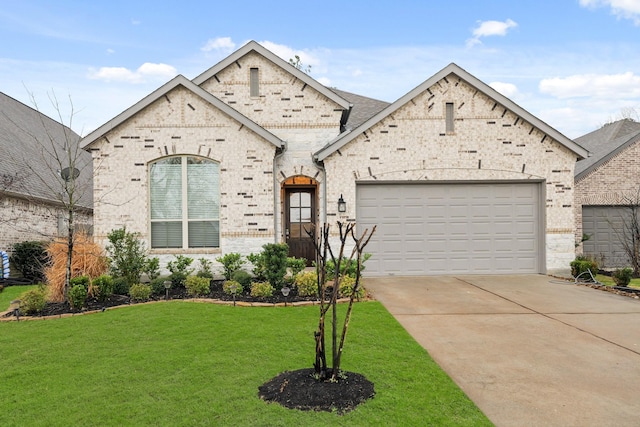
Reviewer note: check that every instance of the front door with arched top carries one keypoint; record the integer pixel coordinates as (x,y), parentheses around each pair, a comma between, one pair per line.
(300,219)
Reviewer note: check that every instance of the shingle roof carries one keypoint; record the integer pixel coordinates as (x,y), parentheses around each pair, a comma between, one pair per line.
(363,108)
(604,143)
(29,144)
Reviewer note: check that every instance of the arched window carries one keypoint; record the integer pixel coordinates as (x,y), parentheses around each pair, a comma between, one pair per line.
(185,203)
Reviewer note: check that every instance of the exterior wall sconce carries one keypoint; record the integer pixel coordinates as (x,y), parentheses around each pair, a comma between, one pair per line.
(342,205)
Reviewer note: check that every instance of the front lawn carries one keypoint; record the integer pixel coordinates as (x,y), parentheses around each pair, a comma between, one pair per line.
(608,281)
(190,364)
(11,293)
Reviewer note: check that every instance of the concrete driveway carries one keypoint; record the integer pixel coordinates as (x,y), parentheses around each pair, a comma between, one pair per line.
(529,351)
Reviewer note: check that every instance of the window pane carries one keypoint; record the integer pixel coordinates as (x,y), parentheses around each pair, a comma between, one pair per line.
(166,234)
(449,117)
(305,214)
(166,189)
(254,82)
(202,189)
(294,200)
(294,215)
(204,234)
(305,199)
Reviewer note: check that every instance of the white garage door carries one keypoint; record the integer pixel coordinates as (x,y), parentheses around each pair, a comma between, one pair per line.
(430,229)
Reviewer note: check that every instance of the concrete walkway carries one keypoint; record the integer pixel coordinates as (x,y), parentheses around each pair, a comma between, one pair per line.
(529,351)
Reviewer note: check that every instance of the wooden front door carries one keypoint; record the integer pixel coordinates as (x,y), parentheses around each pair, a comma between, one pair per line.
(300,217)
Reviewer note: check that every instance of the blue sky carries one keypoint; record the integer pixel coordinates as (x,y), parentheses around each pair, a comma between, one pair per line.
(573,63)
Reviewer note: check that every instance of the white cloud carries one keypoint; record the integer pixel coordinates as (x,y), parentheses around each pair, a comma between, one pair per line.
(607,86)
(507,89)
(146,72)
(224,44)
(490,28)
(286,53)
(626,9)
(111,51)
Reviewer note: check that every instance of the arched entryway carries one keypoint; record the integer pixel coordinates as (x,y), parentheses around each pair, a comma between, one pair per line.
(300,208)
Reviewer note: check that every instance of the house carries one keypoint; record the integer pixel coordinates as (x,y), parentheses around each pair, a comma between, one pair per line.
(457,178)
(606,185)
(32,156)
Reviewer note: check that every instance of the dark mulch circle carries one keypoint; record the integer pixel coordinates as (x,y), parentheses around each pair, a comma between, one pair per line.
(300,390)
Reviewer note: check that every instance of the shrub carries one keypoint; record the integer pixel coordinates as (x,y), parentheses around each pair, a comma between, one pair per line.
(622,276)
(242,277)
(581,264)
(274,259)
(127,255)
(232,287)
(261,289)
(77,296)
(347,267)
(102,287)
(140,292)
(307,283)
(197,286)
(120,286)
(30,259)
(34,300)
(205,268)
(231,263)
(296,265)
(179,269)
(258,269)
(345,289)
(157,285)
(83,281)
(152,268)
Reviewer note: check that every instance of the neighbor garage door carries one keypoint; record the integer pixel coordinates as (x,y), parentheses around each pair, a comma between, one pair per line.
(429,229)
(605,227)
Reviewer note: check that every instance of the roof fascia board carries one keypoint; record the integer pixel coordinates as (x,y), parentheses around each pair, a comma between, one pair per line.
(471,80)
(261,50)
(179,80)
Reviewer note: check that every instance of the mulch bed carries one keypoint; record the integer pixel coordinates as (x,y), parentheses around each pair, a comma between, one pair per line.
(300,390)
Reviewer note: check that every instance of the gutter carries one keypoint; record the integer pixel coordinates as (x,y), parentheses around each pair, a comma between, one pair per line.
(320,165)
(276,190)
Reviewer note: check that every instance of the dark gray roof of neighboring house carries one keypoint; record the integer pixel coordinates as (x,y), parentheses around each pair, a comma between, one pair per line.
(605,143)
(363,108)
(29,144)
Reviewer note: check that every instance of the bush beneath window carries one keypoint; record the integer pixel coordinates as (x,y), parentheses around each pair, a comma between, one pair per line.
(157,285)
(231,263)
(140,292)
(197,286)
(306,283)
(120,286)
(102,287)
(232,287)
(262,289)
(622,276)
(243,277)
(34,300)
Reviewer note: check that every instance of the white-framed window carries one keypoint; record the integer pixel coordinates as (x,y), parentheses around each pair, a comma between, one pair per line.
(254,82)
(449,117)
(184,193)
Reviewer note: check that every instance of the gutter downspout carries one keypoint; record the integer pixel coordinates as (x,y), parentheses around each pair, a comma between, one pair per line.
(276,190)
(320,165)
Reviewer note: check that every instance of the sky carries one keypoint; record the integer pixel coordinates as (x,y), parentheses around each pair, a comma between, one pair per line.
(574,64)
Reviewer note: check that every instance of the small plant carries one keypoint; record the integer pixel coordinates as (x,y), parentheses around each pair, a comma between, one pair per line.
(205,268)
(77,296)
(242,277)
(232,287)
(83,281)
(127,255)
(120,286)
(259,267)
(197,286)
(140,292)
(157,285)
(179,269)
(274,259)
(622,276)
(581,264)
(34,300)
(102,287)
(307,283)
(30,259)
(347,267)
(345,289)
(231,263)
(296,265)
(152,268)
(261,289)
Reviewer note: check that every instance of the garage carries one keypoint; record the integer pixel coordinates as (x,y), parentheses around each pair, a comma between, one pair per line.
(605,227)
(452,228)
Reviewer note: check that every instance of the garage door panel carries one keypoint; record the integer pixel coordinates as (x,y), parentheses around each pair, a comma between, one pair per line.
(452,228)
(605,225)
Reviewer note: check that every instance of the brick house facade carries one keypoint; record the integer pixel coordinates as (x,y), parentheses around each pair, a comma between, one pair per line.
(287,149)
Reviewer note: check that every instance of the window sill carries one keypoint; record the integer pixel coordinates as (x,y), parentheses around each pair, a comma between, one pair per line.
(181,251)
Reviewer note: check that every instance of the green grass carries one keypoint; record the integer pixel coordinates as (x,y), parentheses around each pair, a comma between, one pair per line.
(608,281)
(11,293)
(191,364)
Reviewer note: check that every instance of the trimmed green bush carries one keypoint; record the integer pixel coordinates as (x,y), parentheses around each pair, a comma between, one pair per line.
(197,286)
(243,277)
(622,276)
(179,269)
(83,281)
(261,289)
(307,283)
(140,292)
(347,268)
(127,255)
(102,287)
(296,265)
(274,259)
(120,286)
(581,264)
(30,258)
(157,285)
(34,300)
(346,287)
(77,296)
(231,287)
(152,268)
(205,268)
(258,269)
(231,263)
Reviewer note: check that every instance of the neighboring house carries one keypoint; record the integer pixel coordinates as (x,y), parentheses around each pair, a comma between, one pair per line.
(457,178)
(30,181)
(607,184)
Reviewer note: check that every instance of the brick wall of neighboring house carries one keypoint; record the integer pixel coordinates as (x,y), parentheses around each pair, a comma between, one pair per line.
(612,183)
(23,220)
(488,143)
(183,123)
